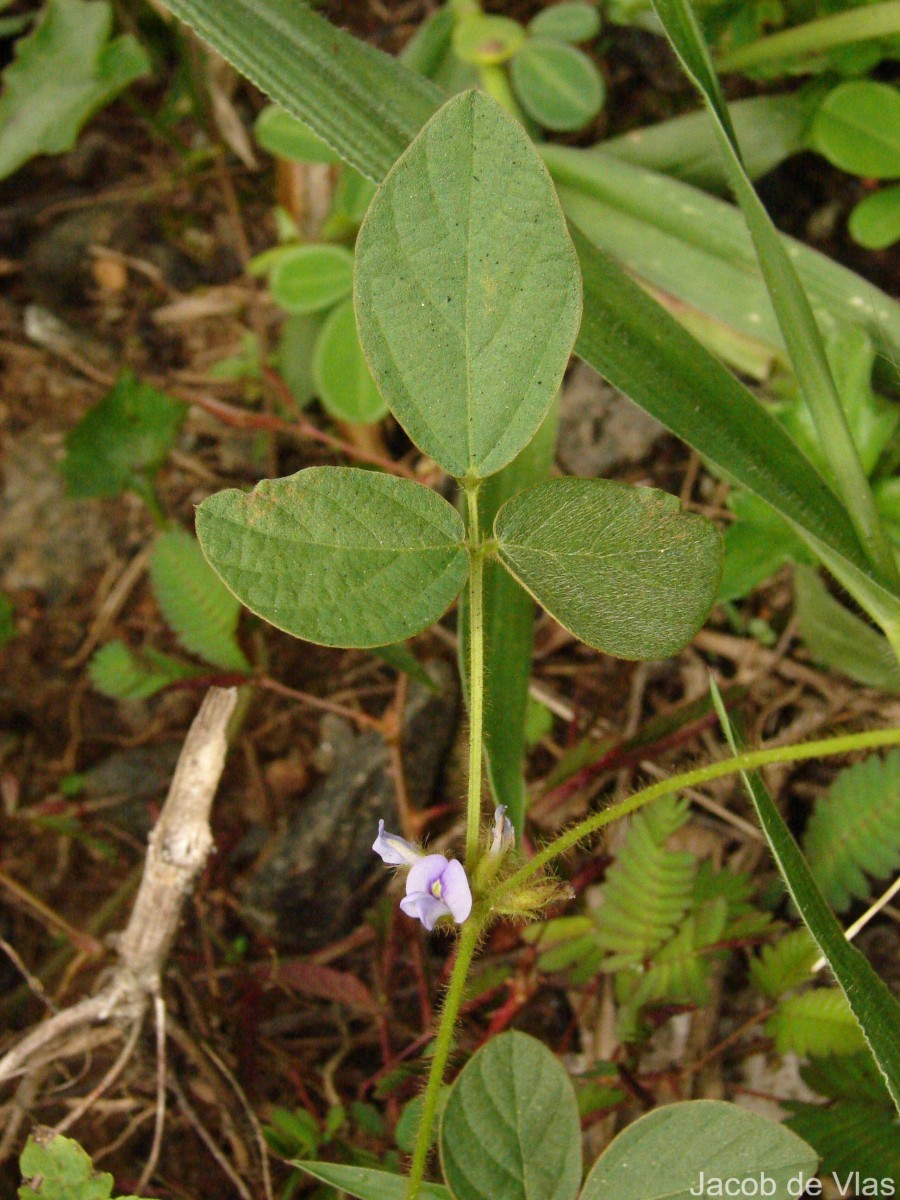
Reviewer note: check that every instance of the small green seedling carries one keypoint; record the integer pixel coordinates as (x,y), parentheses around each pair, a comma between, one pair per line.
(56,1168)
(65,69)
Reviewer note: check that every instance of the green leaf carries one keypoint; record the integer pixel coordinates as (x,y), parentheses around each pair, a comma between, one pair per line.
(857,128)
(401,658)
(58,1169)
(873,1005)
(770,128)
(508,613)
(837,638)
(875,221)
(645,352)
(510,1126)
(624,568)
(368,1184)
(697,248)
(201,611)
(854,830)
(336,555)
(757,544)
(557,85)
(850,1137)
(679,972)
(307,279)
(625,335)
(663,1155)
(832,31)
(296,346)
(791,304)
(281,134)
(343,380)
(485,40)
(407,1126)
(854,1077)
(815,1022)
(468,295)
(429,47)
(121,673)
(785,964)
(364,104)
(570,21)
(648,890)
(126,436)
(64,71)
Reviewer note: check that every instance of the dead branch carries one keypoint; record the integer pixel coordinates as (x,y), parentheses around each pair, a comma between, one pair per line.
(178,848)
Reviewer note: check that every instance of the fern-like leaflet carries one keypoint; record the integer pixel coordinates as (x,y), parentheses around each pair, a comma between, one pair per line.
(854,830)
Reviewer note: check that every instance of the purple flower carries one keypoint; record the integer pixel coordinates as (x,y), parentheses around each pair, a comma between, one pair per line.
(437,887)
(394,850)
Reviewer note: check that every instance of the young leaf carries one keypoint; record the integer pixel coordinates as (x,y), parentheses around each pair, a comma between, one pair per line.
(510,1126)
(839,639)
(815,1022)
(121,673)
(280,133)
(857,128)
(124,437)
(307,279)
(64,71)
(663,1155)
(468,295)
(201,611)
(56,1168)
(367,1184)
(785,964)
(648,890)
(624,568)
(875,222)
(486,40)
(296,346)
(336,555)
(343,380)
(557,85)
(757,543)
(570,21)
(854,830)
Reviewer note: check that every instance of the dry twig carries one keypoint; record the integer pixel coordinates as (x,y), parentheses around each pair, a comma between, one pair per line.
(178,848)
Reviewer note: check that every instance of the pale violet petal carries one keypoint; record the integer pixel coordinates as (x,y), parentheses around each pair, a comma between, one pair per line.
(455,891)
(394,850)
(425,873)
(504,835)
(425,907)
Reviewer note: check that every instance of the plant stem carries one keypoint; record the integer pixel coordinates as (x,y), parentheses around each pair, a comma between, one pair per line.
(476,676)
(468,940)
(749,761)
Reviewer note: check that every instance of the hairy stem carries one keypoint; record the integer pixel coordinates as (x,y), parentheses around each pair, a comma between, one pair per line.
(749,761)
(476,677)
(471,931)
